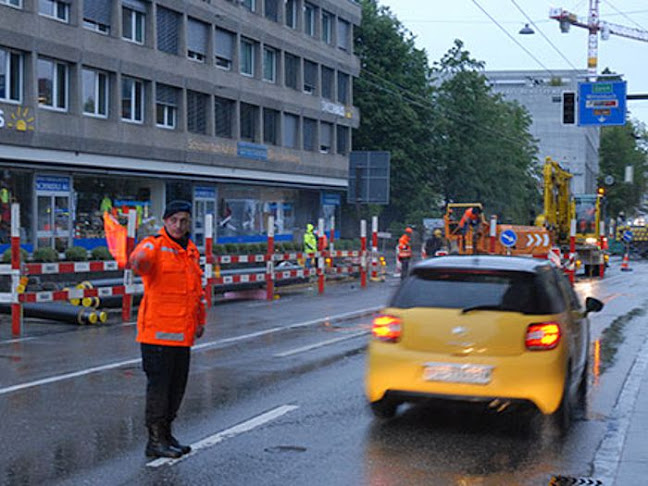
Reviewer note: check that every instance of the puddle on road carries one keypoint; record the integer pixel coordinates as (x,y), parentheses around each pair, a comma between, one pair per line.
(612,337)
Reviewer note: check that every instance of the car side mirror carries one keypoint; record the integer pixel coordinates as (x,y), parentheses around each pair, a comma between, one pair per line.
(592,304)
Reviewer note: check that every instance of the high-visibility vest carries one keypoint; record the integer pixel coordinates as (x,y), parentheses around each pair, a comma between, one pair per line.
(404,247)
(468,215)
(310,242)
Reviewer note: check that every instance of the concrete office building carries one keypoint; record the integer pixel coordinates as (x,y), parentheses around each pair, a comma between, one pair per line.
(243,107)
(540,92)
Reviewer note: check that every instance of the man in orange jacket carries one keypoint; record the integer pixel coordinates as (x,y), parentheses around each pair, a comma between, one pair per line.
(171,316)
(405,251)
(471,219)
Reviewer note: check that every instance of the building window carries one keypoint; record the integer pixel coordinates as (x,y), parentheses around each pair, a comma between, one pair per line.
(197,33)
(166,106)
(249,4)
(290,130)
(12,3)
(132,100)
(343,88)
(55,9)
(224,48)
(249,122)
(95,93)
(271,8)
(310,77)
(328,80)
(309,19)
(310,134)
(291,13)
(292,71)
(197,112)
(326,135)
(52,84)
(11,76)
(133,16)
(270,126)
(247,57)
(343,30)
(269,64)
(342,140)
(327,27)
(224,116)
(168,23)
(97,15)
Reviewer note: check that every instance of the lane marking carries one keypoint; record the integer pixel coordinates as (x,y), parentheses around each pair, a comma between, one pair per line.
(321,344)
(239,429)
(608,454)
(211,344)
(17,340)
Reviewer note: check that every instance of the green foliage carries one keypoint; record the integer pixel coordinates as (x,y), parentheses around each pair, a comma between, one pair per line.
(76,254)
(101,253)
(219,249)
(45,255)
(6,256)
(231,248)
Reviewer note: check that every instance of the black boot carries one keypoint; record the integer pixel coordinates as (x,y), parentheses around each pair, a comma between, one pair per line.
(173,442)
(158,445)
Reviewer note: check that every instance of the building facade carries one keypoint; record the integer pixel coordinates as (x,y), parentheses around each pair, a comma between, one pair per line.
(243,107)
(576,148)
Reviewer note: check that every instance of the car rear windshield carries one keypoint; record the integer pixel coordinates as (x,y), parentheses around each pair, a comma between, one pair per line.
(528,293)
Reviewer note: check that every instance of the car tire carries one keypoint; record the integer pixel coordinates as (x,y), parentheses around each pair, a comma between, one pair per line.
(561,419)
(384,409)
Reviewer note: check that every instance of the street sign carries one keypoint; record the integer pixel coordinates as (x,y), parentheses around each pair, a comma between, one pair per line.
(602,103)
(508,238)
(535,239)
(627,236)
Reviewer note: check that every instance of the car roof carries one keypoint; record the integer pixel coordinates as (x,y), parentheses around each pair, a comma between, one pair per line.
(484,262)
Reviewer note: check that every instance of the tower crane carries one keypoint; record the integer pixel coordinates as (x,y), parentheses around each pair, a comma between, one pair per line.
(594,25)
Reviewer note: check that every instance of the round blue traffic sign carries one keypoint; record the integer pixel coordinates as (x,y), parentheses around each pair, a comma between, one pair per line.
(508,238)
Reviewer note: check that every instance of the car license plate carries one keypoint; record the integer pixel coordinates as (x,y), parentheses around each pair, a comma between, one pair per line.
(458,373)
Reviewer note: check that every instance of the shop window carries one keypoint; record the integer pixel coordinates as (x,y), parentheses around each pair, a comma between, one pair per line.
(132,100)
(309,19)
(224,48)
(310,134)
(197,112)
(95,93)
(326,135)
(291,71)
(310,77)
(269,64)
(328,82)
(56,9)
(271,8)
(166,106)
(342,139)
(168,24)
(290,130)
(327,27)
(133,17)
(197,33)
(52,84)
(270,126)
(224,116)
(97,15)
(249,122)
(247,57)
(11,75)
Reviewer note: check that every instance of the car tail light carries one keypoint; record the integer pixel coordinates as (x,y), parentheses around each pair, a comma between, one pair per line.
(386,328)
(542,336)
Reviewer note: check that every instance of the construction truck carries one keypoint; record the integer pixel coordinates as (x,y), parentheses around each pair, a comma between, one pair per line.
(503,239)
(561,207)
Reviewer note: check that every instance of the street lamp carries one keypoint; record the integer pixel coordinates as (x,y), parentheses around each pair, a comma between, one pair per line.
(526,30)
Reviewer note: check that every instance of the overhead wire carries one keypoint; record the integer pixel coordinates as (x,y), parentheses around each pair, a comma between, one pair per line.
(624,15)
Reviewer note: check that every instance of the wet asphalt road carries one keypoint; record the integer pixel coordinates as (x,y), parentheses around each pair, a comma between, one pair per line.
(266,407)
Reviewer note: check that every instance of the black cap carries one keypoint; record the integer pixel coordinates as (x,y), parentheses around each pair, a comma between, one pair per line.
(176,207)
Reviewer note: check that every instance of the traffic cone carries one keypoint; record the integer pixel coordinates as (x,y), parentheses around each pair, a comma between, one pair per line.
(625,264)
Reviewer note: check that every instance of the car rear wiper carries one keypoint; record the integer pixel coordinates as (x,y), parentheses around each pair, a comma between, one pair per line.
(482,307)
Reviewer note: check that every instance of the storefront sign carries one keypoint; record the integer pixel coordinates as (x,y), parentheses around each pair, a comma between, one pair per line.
(52,184)
(252,151)
(204,192)
(21,120)
(330,199)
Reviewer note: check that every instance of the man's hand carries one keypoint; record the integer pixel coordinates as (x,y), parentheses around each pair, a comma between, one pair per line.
(200,330)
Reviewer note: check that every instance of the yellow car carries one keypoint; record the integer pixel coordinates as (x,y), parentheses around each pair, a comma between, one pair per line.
(500,330)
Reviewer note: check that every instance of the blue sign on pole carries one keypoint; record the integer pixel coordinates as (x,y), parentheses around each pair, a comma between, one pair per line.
(508,238)
(627,236)
(602,103)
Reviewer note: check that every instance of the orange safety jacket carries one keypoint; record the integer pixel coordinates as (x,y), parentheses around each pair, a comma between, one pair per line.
(404,247)
(173,306)
(468,215)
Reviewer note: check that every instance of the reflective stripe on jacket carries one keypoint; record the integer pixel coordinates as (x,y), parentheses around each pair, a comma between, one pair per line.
(173,305)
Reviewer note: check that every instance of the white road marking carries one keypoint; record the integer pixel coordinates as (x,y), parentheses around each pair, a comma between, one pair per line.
(239,429)
(211,344)
(606,460)
(17,340)
(320,344)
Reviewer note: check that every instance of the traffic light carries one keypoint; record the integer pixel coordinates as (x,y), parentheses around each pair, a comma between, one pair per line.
(569,108)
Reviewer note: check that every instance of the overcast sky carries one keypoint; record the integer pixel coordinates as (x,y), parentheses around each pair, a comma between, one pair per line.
(436,23)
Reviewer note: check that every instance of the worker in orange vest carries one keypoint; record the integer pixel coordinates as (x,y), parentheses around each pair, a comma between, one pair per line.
(171,316)
(471,218)
(405,251)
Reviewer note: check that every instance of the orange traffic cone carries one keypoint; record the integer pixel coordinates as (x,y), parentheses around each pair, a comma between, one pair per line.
(625,264)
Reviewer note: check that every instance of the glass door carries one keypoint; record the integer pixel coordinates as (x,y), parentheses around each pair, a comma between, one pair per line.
(204,204)
(54,212)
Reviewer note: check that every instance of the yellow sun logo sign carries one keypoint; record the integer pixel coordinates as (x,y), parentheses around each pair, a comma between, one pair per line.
(21,120)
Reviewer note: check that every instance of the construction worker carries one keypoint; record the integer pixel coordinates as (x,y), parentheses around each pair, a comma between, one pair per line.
(433,244)
(310,244)
(171,316)
(471,219)
(405,251)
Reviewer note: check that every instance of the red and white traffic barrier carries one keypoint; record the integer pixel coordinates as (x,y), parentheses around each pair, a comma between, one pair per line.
(571,259)
(16,308)
(363,253)
(602,243)
(374,248)
(209,258)
(321,257)
(127,299)
(493,232)
(270,262)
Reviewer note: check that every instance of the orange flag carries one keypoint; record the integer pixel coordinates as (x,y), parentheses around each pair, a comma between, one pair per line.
(116,238)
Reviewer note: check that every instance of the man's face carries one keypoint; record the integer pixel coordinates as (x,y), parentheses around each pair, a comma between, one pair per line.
(178,224)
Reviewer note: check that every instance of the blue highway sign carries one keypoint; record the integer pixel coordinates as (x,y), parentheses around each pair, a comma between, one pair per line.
(508,238)
(602,103)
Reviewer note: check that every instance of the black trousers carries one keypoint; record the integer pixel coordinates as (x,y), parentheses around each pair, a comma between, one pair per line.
(167,369)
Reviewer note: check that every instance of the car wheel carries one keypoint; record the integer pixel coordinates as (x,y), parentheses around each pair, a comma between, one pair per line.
(561,418)
(384,408)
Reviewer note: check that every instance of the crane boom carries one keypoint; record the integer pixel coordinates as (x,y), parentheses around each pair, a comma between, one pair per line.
(567,18)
